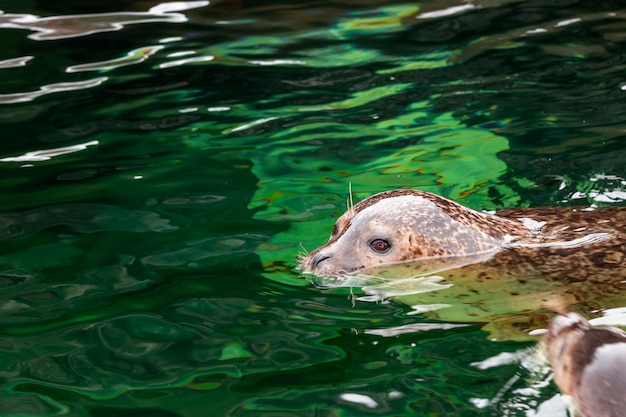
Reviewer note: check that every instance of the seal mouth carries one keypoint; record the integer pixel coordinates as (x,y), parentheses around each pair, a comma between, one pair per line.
(325,277)
(328,282)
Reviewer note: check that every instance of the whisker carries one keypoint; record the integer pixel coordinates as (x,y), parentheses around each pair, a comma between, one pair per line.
(300,257)
(350,202)
(306,252)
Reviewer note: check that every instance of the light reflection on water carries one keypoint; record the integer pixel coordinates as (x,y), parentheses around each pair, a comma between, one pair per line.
(133,57)
(44,155)
(50,88)
(71,26)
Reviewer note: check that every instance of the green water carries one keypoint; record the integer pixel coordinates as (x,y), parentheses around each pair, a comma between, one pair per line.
(161,164)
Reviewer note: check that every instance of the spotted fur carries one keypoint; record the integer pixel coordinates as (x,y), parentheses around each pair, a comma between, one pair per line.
(519,261)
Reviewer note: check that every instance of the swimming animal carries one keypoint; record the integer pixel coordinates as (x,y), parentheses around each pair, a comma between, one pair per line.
(517,266)
(589,365)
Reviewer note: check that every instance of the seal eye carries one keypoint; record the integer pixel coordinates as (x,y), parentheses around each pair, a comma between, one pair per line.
(380,245)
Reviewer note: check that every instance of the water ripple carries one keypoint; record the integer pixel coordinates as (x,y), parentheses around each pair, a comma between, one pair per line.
(133,57)
(44,155)
(49,89)
(15,62)
(71,26)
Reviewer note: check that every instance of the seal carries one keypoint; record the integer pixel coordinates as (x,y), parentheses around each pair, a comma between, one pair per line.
(408,244)
(589,364)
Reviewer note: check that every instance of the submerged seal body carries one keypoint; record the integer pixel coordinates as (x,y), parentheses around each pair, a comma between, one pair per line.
(487,265)
(589,364)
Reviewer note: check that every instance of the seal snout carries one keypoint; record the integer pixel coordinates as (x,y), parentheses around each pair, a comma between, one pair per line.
(317,259)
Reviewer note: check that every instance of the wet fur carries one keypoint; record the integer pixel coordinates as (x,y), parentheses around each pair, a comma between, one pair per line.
(589,364)
(526,275)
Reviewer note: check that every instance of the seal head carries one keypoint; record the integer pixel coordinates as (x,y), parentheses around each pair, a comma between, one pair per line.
(589,364)
(411,228)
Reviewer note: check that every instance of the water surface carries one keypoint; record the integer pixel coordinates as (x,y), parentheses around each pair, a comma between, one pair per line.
(162,162)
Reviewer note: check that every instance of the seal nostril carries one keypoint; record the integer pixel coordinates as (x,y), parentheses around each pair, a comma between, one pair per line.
(318,258)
